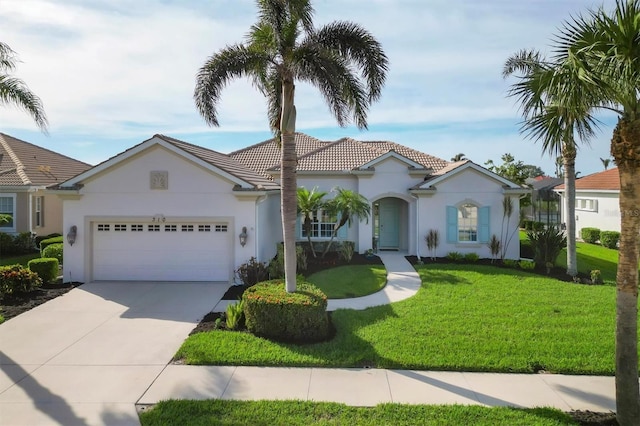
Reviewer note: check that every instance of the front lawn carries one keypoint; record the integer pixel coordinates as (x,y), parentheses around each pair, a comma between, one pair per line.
(464,318)
(350,281)
(219,412)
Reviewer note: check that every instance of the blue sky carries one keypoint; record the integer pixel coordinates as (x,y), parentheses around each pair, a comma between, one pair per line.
(112,73)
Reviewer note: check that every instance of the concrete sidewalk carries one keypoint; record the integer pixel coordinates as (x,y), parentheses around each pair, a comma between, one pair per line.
(368,387)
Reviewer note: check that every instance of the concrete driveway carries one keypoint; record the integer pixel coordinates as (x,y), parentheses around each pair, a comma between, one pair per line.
(86,357)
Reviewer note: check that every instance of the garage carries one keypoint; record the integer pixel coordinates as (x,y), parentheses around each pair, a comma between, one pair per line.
(166,251)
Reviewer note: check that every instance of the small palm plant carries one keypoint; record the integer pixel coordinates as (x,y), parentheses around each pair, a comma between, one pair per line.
(495,247)
(309,202)
(433,240)
(347,205)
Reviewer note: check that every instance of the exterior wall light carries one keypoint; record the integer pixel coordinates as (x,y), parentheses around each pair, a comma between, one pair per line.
(71,235)
(243,236)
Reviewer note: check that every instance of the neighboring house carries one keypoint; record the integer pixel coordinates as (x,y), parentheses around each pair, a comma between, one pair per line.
(597,201)
(169,210)
(545,204)
(25,171)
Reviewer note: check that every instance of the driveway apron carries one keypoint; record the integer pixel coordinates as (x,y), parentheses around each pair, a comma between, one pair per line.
(85,358)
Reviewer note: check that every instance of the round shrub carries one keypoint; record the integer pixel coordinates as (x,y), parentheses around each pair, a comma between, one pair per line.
(46,268)
(17,279)
(590,235)
(609,239)
(53,250)
(291,317)
(48,241)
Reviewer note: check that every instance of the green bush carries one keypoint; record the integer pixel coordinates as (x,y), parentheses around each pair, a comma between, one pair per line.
(11,245)
(547,245)
(276,266)
(455,256)
(527,265)
(40,238)
(291,317)
(252,272)
(54,251)
(537,226)
(17,279)
(471,257)
(510,263)
(235,315)
(47,242)
(609,239)
(46,268)
(590,235)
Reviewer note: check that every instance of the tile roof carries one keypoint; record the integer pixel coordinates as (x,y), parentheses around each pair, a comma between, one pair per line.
(266,154)
(608,180)
(25,164)
(223,162)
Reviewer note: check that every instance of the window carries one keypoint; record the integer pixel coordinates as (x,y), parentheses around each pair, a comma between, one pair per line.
(467,223)
(171,228)
(102,227)
(119,227)
(39,211)
(187,228)
(7,208)
(137,228)
(221,228)
(322,224)
(587,204)
(153,228)
(204,228)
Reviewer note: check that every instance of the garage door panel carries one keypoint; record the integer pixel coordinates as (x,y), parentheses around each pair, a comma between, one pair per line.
(193,254)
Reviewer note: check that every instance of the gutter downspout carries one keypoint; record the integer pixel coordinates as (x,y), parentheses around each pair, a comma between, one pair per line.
(259,201)
(417,227)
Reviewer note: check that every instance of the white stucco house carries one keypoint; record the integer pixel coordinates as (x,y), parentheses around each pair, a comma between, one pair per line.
(169,210)
(597,201)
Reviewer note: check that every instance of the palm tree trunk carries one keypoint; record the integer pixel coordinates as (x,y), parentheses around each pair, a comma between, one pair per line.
(288,184)
(624,147)
(569,159)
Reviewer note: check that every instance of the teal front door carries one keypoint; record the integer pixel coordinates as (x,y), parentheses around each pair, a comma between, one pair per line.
(389,224)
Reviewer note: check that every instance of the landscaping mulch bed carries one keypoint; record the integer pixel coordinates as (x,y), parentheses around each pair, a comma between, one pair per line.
(15,304)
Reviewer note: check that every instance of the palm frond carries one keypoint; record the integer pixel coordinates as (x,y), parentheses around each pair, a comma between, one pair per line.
(523,62)
(7,58)
(15,91)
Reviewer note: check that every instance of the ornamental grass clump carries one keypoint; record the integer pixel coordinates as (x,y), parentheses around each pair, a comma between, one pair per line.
(273,313)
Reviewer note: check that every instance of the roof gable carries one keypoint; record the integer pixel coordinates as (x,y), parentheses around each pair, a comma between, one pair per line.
(219,163)
(26,164)
(458,167)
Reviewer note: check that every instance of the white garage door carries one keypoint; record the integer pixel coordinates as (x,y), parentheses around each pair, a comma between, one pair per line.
(161,252)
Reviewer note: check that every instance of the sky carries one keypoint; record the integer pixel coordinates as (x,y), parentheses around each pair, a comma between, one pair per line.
(112,73)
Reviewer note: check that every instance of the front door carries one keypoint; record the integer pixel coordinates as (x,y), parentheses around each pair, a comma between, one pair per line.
(389,224)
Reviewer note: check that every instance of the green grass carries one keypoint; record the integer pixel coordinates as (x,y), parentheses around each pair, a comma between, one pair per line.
(22,259)
(219,412)
(350,281)
(464,318)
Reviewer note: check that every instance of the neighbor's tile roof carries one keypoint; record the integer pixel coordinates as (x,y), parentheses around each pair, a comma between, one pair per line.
(223,162)
(25,164)
(609,180)
(265,155)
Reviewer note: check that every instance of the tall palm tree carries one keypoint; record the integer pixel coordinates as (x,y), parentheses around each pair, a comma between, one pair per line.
(15,91)
(605,162)
(602,50)
(347,205)
(341,59)
(458,157)
(309,202)
(555,125)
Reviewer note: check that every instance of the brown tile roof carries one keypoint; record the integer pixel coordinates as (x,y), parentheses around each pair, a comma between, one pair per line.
(223,162)
(25,164)
(608,180)
(266,154)
(428,161)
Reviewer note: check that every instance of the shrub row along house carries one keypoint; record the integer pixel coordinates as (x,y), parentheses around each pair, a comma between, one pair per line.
(169,210)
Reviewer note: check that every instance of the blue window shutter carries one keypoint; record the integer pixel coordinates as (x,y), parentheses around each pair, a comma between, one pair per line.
(483,224)
(342,232)
(452,224)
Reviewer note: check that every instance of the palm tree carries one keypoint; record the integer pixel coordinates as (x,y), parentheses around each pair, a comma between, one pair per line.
(605,162)
(341,59)
(15,91)
(602,52)
(458,157)
(347,205)
(555,125)
(309,202)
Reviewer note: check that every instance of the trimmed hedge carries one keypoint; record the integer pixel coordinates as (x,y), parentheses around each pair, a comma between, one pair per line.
(609,239)
(17,279)
(46,267)
(291,317)
(531,225)
(590,235)
(21,243)
(54,251)
(47,242)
